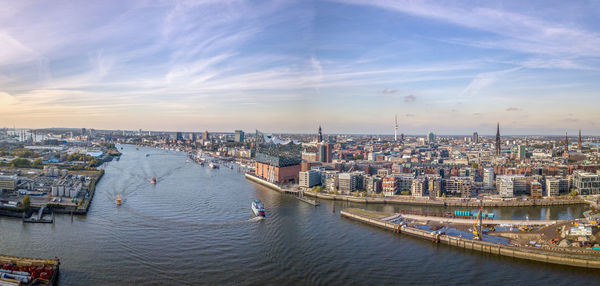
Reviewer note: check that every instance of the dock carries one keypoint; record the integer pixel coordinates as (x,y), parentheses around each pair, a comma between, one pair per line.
(470,221)
(301,197)
(39,217)
(583,258)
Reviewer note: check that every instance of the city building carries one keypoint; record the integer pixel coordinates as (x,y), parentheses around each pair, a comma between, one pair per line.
(488,178)
(8,182)
(309,178)
(536,189)
(389,186)
(373,185)
(459,186)
(475,138)
(505,186)
(522,149)
(556,186)
(239,136)
(179,136)
(347,183)
(586,183)
(430,138)
(419,187)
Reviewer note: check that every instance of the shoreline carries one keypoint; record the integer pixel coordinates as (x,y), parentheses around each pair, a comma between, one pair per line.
(572,259)
(424,202)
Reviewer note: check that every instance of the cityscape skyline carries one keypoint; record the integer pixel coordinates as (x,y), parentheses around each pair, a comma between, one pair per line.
(287,67)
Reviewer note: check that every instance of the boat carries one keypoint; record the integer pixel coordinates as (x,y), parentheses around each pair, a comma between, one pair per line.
(258,209)
(118,201)
(147,155)
(153,180)
(213,165)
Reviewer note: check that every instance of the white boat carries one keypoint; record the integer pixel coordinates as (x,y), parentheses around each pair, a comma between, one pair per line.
(213,165)
(258,209)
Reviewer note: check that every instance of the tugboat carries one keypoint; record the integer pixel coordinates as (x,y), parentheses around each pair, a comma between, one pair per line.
(258,209)
(118,201)
(153,180)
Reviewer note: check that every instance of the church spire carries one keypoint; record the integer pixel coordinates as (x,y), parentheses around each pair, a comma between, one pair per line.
(498,151)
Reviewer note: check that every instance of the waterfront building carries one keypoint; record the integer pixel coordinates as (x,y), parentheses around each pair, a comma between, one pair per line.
(436,187)
(459,186)
(586,183)
(277,162)
(536,189)
(347,183)
(239,136)
(309,178)
(505,186)
(488,178)
(419,187)
(556,186)
(389,186)
(373,184)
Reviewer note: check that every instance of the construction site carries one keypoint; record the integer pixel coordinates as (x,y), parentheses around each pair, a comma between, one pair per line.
(568,242)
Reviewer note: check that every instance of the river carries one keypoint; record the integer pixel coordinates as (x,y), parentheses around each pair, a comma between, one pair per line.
(195,227)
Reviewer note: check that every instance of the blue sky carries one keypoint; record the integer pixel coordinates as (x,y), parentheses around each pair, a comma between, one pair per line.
(451,67)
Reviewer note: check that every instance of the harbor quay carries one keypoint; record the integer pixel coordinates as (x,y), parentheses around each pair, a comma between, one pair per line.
(574,256)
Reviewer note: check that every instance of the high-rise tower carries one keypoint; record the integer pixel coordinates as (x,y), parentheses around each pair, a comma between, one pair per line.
(396,128)
(498,140)
(319,135)
(566,152)
(579,143)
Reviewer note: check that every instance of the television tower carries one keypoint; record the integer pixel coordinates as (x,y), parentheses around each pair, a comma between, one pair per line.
(396,128)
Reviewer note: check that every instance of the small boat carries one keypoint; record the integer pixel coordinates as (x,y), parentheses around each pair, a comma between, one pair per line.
(213,165)
(118,201)
(147,155)
(258,209)
(153,180)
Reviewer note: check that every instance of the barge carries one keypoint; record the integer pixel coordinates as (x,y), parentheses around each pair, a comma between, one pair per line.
(19,271)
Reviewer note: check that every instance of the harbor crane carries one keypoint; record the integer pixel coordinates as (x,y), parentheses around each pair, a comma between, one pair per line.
(477,226)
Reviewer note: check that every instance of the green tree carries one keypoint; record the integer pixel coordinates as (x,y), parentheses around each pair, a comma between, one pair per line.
(26,202)
(20,163)
(38,162)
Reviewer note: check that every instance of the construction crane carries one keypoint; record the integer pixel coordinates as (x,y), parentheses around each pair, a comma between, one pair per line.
(477,229)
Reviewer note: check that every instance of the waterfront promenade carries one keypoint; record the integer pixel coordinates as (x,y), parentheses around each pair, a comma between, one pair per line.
(472,220)
(424,201)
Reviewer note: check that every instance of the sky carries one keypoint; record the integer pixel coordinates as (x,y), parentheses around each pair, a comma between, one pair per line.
(351,66)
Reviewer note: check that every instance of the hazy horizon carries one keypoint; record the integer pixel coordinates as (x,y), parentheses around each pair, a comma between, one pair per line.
(286,66)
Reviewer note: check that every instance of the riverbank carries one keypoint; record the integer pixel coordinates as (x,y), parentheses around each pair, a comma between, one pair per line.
(447,202)
(377,219)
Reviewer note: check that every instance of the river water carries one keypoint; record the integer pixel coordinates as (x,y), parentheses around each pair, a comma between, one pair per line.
(195,227)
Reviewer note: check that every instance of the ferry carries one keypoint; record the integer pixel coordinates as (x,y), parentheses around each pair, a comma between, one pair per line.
(118,201)
(258,209)
(153,180)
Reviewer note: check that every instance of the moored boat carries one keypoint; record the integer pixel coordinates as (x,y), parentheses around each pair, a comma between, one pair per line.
(258,209)
(213,165)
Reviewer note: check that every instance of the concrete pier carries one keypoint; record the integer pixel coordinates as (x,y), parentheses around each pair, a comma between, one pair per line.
(571,258)
(486,222)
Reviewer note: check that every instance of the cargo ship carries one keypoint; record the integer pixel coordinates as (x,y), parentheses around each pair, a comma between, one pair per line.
(28,271)
(258,209)
(118,201)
